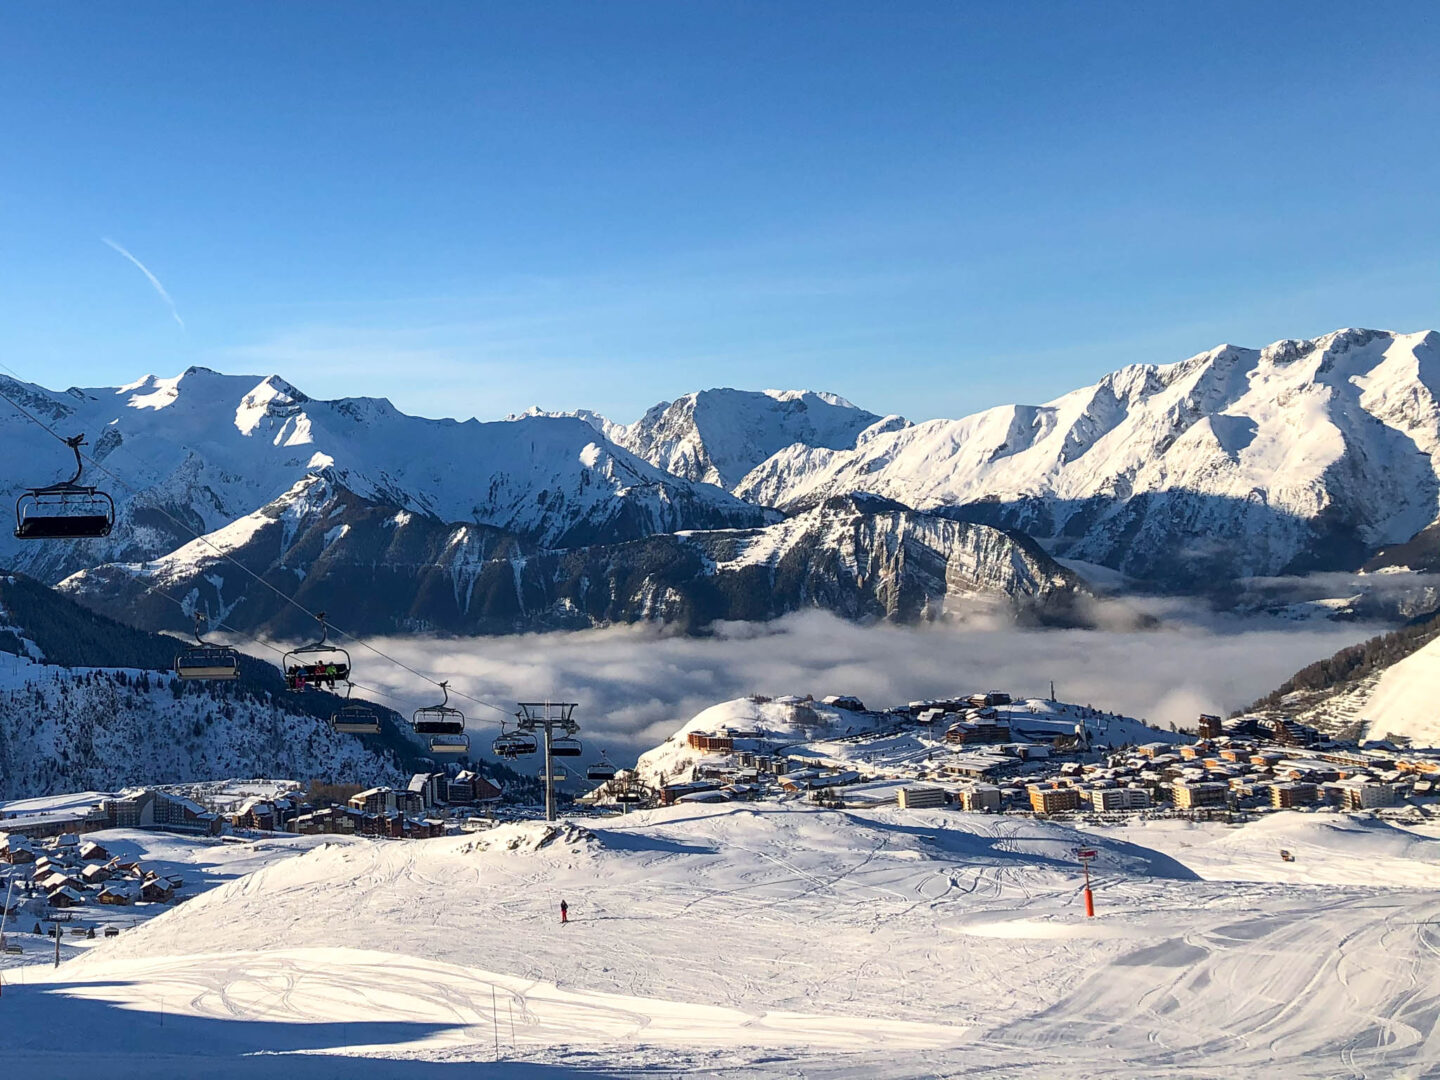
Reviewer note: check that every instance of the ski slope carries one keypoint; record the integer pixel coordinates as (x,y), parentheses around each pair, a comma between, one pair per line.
(774,940)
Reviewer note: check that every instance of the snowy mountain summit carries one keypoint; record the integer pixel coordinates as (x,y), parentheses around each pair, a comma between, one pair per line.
(1299,456)
(201,450)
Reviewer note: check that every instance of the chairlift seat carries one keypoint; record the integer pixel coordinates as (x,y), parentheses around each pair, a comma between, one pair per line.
(211,663)
(355,720)
(449,744)
(68,510)
(565,748)
(37,526)
(600,772)
(438,725)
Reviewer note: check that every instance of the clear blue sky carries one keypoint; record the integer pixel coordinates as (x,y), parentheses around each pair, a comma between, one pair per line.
(928,207)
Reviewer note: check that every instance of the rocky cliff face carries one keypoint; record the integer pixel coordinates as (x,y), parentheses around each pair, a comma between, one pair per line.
(390,571)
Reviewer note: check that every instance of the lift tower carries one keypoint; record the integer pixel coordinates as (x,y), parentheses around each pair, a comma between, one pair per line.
(551,717)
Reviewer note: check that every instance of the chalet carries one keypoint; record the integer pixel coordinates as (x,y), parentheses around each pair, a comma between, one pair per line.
(57,880)
(117,894)
(1210,727)
(64,897)
(157,890)
(95,874)
(978,731)
(17,848)
(93,852)
(255,814)
(993,697)
(844,701)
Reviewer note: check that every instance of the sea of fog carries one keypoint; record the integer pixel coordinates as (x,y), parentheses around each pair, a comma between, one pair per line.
(636,684)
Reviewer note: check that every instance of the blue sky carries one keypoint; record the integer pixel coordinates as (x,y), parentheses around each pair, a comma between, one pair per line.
(930,208)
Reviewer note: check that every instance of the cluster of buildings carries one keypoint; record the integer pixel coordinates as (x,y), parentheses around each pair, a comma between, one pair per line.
(67,871)
(414,812)
(1239,764)
(983,752)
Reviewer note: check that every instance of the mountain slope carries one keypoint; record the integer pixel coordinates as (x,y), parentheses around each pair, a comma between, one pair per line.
(1302,455)
(379,570)
(206,449)
(86,703)
(1383,688)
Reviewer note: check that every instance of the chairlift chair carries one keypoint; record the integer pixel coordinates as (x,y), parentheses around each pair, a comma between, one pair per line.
(439,719)
(565,747)
(450,744)
(600,770)
(316,664)
(68,510)
(355,719)
(513,744)
(208,662)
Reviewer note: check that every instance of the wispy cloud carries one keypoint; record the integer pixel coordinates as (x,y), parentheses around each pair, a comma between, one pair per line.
(159,288)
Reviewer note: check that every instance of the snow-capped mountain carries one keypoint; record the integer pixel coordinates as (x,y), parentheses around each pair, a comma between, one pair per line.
(85,704)
(1302,455)
(379,570)
(208,449)
(719,436)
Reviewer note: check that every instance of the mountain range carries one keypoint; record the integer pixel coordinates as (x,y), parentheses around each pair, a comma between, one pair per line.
(1233,464)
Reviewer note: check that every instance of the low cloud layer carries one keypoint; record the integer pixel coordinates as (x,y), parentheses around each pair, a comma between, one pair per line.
(636,684)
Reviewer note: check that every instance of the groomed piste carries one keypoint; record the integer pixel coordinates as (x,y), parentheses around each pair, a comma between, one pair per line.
(775,940)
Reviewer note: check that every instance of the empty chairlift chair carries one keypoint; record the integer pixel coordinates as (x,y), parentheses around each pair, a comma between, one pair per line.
(566,745)
(443,725)
(355,719)
(318,664)
(450,744)
(600,770)
(67,510)
(207,662)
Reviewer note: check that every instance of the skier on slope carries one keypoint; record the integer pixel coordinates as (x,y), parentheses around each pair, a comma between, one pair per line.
(564,912)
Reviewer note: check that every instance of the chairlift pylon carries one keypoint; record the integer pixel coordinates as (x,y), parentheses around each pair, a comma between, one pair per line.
(439,719)
(207,662)
(68,510)
(316,664)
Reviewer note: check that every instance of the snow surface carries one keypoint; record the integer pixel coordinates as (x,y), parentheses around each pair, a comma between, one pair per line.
(774,941)
(1404,700)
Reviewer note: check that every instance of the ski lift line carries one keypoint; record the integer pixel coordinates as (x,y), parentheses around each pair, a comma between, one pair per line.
(230,558)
